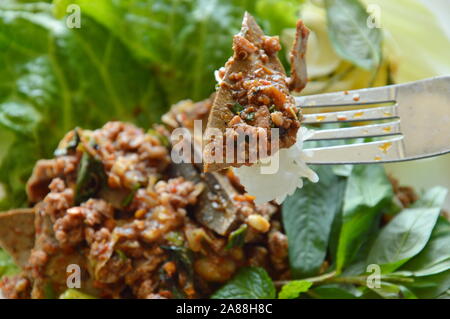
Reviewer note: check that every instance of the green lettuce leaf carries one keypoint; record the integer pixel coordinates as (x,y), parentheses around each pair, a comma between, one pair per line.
(54,79)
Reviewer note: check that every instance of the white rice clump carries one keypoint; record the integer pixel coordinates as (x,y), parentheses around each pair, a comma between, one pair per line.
(284,182)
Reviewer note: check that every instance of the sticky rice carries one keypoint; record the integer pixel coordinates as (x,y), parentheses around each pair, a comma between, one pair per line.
(289,176)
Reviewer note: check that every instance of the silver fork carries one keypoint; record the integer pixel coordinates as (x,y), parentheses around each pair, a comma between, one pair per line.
(418,126)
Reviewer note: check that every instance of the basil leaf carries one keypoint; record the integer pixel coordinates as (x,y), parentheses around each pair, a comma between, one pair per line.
(183,257)
(404,237)
(71,145)
(90,179)
(293,289)
(249,283)
(368,192)
(431,286)
(7,266)
(237,237)
(350,34)
(307,218)
(434,197)
(392,291)
(75,294)
(333,292)
(435,257)
(408,233)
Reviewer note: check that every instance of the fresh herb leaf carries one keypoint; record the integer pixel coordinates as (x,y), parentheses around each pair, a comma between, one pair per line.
(435,257)
(175,238)
(75,294)
(368,192)
(90,179)
(237,108)
(127,201)
(7,266)
(406,235)
(164,140)
(71,145)
(249,283)
(237,237)
(54,79)
(294,288)
(393,291)
(431,286)
(350,34)
(307,218)
(333,292)
(250,116)
(183,257)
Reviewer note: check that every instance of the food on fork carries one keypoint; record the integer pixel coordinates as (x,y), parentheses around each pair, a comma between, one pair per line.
(253,98)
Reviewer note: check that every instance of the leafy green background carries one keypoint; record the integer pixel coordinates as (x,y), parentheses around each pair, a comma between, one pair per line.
(129,60)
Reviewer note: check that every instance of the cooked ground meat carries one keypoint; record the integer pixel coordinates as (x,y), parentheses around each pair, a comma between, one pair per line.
(134,234)
(405,194)
(253,97)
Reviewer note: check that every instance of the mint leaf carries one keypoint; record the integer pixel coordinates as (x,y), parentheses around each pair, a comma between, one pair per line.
(368,192)
(249,283)
(294,288)
(350,34)
(307,218)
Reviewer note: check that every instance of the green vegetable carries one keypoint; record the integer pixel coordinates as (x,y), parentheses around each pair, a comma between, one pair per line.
(54,79)
(294,288)
(406,235)
(75,294)
(164,140)
(237,237)
(368,192)
(237,108)
(350,34)
(129,61)
(250,116)
(249,283)
(332,292)
(121,254)
(393,291)
(431,286)
(71,145)
(435,257)
(127,201)
(90,179)
(183,257)
(7,266)
(307,218)
(175,238)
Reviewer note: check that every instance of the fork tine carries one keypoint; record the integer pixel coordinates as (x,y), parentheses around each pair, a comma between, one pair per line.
(389,150)
(356,97)
(374,130)
(371,114)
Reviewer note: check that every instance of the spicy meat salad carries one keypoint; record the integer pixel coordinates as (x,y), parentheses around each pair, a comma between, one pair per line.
(112,206)
(253,97)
